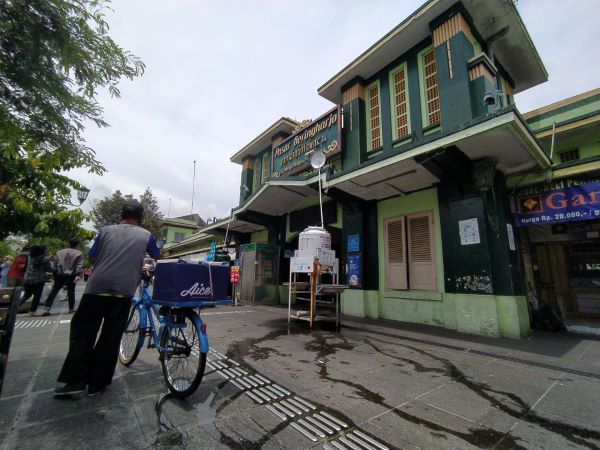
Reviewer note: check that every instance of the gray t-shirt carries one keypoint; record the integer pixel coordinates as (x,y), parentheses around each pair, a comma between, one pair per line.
(119,255)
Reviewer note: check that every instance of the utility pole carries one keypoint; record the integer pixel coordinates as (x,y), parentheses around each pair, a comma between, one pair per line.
(193,188)
(169,211)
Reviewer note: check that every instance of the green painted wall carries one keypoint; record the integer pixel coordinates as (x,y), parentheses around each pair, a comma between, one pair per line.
(172,229)
(488,315)
(260,237)
(354,133)
(455,95)
(566,113)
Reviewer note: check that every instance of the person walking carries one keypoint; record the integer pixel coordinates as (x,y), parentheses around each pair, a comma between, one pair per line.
(4,271)
(16,271)
(68,264)
(118,255)
(35,276)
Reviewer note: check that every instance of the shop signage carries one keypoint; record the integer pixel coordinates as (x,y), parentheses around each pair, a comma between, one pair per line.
(290,157)
(353,271)
(353,243)
(563,201)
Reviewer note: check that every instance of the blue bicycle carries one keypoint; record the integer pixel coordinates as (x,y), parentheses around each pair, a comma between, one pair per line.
(176,332)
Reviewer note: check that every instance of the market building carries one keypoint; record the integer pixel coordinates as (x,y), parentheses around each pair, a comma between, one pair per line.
(425,153)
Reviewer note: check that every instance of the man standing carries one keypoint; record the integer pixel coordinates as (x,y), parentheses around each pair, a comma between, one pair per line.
(118,255)
(68,264)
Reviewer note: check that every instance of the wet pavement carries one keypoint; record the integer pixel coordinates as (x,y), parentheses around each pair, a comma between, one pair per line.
(375,384)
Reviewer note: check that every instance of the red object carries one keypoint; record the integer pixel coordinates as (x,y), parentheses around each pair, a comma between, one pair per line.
(17,268)
(234,276)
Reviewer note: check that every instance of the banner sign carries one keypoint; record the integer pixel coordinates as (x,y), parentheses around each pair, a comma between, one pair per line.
(353,271)
(290,157)
(563,201)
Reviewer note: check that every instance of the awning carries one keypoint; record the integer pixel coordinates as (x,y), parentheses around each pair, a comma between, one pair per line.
(279,197)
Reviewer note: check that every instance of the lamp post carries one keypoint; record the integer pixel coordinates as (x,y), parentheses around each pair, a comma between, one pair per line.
(82,194)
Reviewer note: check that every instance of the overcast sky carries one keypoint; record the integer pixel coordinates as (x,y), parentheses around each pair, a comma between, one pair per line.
(219,73)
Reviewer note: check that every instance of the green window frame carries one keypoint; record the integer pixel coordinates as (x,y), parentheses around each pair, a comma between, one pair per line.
(430,92)
(401,127)
(373,107)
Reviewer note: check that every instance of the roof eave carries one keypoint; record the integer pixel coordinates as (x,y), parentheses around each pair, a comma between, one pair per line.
(527,72)
(258,144)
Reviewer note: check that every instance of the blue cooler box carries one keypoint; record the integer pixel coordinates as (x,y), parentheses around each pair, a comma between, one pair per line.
(184,283)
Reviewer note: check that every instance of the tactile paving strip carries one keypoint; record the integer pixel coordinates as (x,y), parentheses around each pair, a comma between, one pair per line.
(303,416)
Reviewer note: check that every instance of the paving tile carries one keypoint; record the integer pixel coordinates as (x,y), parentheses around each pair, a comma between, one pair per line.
(547,432)
(356,403)
(425,427)
(477,404)
(577,401)
(114,426)
(8,411)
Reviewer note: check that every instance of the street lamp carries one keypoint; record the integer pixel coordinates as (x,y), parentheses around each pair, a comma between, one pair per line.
(82,194)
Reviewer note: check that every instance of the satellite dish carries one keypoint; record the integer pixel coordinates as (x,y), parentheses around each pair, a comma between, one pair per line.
(317,160)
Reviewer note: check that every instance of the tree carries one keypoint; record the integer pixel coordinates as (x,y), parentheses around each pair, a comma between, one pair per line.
(108,211)
(153,218)
(54,57)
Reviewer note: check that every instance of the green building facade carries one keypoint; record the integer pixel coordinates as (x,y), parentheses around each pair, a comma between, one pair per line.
(424,148)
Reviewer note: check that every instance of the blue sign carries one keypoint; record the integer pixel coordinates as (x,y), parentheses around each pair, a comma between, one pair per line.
(353,274)
(354,243)
(563,201)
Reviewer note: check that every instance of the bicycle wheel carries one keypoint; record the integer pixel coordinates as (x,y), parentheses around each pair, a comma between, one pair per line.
(132,339)
(183,364)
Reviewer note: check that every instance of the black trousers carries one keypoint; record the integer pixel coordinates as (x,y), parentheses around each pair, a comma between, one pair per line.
(90,361)
(34,289)
(59,282)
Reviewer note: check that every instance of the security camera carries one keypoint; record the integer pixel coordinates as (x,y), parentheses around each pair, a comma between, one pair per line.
(489,99)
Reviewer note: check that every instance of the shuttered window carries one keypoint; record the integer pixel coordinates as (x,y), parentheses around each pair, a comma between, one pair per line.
(399,100)
(409,252)
(430,90)
(373,117)
(266,166)
(396,275)
(256,175)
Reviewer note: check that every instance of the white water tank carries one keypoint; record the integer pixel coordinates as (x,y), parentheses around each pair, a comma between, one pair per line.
(313,239)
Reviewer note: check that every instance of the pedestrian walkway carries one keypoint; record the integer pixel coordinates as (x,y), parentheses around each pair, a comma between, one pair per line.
(373,385)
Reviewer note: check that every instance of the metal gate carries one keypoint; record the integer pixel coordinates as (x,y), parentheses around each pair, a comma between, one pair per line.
(247,276)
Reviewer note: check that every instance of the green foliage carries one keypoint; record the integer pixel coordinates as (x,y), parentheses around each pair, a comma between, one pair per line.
(54,56)
(10,246)
(108,211)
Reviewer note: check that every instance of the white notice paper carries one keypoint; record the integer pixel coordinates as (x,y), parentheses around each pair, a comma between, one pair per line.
(469,232)
(511,237)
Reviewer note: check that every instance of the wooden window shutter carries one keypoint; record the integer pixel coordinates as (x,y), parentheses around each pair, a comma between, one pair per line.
(432,93)
(421,262)
(374,125)
(395,252)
